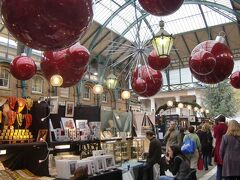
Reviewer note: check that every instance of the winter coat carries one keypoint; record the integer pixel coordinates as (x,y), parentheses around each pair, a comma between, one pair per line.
(219,131)
(229,151)
(206,141)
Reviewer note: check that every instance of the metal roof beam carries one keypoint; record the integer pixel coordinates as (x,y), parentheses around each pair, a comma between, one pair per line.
(184,40)
(226,38)
(179,58)
(97,43)
(205,22)
(196,36)
(100,29)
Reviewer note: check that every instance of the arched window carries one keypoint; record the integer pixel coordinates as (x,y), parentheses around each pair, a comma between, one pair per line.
(86,93)
(37,85)
(4,78)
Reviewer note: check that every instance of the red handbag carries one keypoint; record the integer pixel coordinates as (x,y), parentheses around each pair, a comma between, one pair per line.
(200,164)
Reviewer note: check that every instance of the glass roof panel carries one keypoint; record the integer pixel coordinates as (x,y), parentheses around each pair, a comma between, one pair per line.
(187,18)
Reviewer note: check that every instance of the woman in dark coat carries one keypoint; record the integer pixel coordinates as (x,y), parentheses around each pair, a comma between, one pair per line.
(219,130)
(206,138)
(229,151)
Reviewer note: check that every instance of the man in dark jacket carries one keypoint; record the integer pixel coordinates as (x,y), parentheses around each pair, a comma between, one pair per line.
(153,156)
(155,150)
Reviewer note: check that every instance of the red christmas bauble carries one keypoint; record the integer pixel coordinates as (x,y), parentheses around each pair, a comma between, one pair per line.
(158,63)
(61,62)
(161,7)
(47,24)
(78,56)
(23,68)
(224,62)
(202,62)
(139,85)
(153,80)
(235,80)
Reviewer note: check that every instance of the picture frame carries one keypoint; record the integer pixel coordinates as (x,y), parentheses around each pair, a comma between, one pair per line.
(81,123)
(192,118)
(53,104)
(68,123)
(42,135)
(69,109)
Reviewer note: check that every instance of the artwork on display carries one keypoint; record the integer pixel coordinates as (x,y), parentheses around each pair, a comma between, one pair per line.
(95,130)
(68,123)
(81,124)
(69,110)
(192,118)
(53,104)
(42,135)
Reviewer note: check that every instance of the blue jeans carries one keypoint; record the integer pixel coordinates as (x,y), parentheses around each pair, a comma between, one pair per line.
(219,172)
(205,161)
(166,178)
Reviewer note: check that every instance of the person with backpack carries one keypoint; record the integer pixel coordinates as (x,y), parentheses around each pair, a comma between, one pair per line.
(178,165)
(229,152)
(206,138)
(194,151)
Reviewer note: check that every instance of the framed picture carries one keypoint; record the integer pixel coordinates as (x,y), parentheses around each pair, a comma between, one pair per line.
(42,135)
(68,123)
(53,104)
(192,118)
(69,110)
(81,124)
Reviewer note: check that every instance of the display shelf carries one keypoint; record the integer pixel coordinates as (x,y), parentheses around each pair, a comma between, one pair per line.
(22,145)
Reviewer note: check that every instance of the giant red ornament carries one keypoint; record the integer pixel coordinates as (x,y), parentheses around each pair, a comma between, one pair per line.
(161,7)
(62,63)
(152,78)
(158,63)
(23,67)
(47,24)
(202,62)
(224,62)
(235,79)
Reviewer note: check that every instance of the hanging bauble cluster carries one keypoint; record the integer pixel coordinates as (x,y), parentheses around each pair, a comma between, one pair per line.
(70,64)
(47,24)
(235,79)
(146,81)
(158,62)
(23,67)
(211,62)
(161,7)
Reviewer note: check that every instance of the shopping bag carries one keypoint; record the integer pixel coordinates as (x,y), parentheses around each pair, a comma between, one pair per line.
(188,146)
(200,164)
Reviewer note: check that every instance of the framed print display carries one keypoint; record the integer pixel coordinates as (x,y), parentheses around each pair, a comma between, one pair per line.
(53,100)
(81,124)
(192,118)
(68,123)
(69,110)
(42,135)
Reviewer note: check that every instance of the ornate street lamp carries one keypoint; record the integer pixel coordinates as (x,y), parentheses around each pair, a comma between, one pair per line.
(125,95)
(98,89)
(56,80)
(162,41)
(111,81)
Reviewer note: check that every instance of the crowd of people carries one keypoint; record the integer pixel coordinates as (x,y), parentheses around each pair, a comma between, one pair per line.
(219,141)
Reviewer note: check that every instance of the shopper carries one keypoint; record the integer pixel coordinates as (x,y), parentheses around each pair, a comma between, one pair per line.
(229,151)
(219,130)
(205,137)
(153,156)
(178,164)
(181,136)
(171,136)
(195,156)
